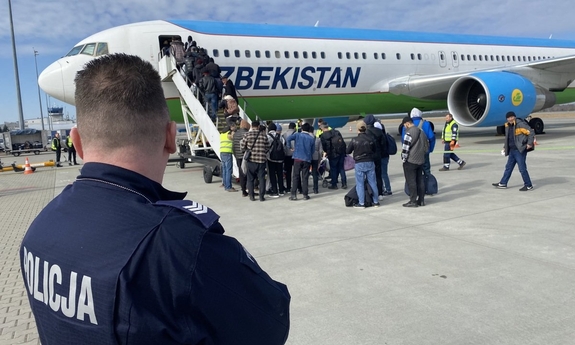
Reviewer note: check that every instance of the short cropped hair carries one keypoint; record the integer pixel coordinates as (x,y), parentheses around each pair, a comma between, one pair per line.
(120,103)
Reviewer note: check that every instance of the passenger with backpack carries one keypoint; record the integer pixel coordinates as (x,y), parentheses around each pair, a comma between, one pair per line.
(415,146)
(177,51)
(276,156)
(334,149)
(377,136)
(389,149)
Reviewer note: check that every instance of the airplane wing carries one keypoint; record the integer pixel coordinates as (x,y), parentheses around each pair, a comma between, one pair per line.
(552,74)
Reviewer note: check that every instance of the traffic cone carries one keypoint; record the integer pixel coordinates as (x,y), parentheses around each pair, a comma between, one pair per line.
(27,168)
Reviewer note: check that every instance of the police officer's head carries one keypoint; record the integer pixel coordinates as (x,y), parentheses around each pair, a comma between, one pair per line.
(120,103)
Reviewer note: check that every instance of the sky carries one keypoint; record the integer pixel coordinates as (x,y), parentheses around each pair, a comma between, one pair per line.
(53,27)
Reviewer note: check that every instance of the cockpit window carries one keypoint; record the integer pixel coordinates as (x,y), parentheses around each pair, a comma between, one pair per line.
(75,51)
(102,49)
(89,49)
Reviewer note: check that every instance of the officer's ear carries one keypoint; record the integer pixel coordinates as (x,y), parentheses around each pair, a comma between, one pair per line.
(170,144)
(77,142)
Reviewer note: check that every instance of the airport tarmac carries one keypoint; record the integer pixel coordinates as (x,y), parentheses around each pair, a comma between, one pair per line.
(477,265)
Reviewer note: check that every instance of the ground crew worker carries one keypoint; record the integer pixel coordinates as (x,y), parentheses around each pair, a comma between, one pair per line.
(134,263)
(226,152)
(71,151)
(449,138)
(57,146)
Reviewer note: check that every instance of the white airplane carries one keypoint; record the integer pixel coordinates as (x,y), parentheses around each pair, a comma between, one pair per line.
(287,72)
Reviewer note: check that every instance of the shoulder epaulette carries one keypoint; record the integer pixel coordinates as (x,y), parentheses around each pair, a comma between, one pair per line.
(201,212)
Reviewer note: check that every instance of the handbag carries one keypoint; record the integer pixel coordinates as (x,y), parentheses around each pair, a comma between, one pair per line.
(348,163)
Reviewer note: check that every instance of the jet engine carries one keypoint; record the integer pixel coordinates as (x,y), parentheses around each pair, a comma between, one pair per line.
(482,99)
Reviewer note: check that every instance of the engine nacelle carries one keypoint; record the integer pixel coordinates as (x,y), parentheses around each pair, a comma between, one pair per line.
(482,99)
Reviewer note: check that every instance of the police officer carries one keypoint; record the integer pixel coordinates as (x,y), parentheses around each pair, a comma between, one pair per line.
(135,263)
(57,146)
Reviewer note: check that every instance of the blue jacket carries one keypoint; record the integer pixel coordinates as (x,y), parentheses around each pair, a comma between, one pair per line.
(426,127)
(135,264)
(304,146)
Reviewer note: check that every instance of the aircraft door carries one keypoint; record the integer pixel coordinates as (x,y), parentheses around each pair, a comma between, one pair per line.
(442,59)
(454,59)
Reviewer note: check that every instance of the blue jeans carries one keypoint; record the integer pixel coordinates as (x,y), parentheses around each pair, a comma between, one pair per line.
(363,170)
(212,100)
(516,157)
(384,175)
(227,168)
(427,166)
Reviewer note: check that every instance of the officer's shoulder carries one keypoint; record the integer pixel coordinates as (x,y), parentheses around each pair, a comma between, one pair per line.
(205,215)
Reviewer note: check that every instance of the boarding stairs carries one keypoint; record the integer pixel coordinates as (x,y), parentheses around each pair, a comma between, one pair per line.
(202,134)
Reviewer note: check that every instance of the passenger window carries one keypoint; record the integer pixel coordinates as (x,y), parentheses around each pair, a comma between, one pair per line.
(226,53)
(89,49)
(480,58)
(322,55)
(462,57)
(295,55)
(364,56)
(348,55)
(468,57)
(248,54)
(383,56)
(102,49)
(215,53)
(398,56)
(268,54)
(258,54)
(304,55)
(419,57)
(412,56)
(278,54)
(314,55)
(286,54)
(474,57)
(339,55)
(237,53)
(356,55)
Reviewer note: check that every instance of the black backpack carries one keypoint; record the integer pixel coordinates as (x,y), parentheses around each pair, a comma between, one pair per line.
(277,152)
(391,145)
(337,144)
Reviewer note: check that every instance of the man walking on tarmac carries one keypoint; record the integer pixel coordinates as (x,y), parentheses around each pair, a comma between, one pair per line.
(57,146)
(449,138)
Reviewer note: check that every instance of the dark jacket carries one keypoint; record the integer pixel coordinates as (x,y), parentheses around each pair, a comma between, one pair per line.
(230,89)
(414,147)
(208,84)
(168,263)
(327,145)
(379,140)
(363,148)
(523,135)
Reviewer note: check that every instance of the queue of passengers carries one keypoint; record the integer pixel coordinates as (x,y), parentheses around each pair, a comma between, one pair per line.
(281,161)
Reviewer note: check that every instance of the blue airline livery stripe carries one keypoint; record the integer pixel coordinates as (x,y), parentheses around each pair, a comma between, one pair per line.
(265,30)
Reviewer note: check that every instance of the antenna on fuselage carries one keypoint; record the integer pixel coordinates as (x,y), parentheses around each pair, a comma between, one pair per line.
(316,24)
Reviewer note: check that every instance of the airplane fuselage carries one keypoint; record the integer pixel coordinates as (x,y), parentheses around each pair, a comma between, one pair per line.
(286,72)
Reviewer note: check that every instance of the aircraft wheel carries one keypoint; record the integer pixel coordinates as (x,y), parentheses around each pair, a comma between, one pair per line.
(537,125)
(36,152)
(208,174)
